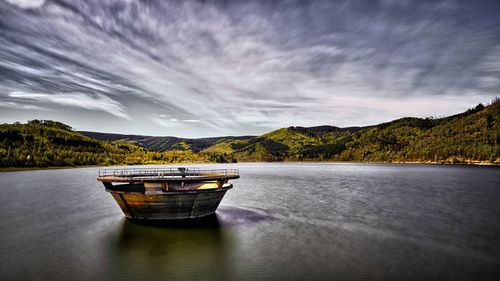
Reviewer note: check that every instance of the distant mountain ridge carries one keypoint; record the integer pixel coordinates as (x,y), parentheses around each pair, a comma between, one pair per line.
(160,144)
(166,143)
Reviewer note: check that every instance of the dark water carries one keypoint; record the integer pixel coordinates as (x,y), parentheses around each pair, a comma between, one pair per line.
(280,222)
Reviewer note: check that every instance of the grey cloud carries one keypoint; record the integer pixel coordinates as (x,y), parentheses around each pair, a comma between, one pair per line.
(245,67)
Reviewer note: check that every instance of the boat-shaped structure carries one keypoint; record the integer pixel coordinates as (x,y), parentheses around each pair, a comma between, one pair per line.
(166,194)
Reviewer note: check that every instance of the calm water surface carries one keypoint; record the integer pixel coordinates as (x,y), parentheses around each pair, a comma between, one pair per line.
(292,221)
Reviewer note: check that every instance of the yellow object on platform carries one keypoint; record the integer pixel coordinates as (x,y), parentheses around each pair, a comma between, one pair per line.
(208,186)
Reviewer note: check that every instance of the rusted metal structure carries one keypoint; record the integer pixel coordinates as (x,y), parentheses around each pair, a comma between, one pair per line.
(165,194)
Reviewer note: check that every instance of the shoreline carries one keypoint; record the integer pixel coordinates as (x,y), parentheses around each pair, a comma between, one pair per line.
(474,163)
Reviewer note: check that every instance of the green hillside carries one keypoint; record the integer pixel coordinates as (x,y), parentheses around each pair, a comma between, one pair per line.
(472,136)
(51,144)
(469,137)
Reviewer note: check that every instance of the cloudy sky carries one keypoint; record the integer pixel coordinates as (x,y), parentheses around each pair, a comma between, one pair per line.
(209,68)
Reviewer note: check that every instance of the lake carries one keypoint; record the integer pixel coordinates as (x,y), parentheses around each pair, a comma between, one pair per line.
(281,221)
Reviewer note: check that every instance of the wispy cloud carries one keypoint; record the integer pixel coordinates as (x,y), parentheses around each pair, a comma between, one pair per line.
(15,105)
(168,121)
(98,102)
(249,67)
(27,4)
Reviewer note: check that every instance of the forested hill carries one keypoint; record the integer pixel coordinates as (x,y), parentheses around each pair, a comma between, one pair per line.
(50,144)
(162,143)
(472,136)
(469,137)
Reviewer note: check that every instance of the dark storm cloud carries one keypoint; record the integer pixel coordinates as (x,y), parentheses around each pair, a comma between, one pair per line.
(241,67)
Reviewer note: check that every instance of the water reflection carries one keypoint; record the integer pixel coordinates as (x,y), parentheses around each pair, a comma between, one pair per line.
(170,251)
(231,216)
(208,222)
(184,249)
(225,217)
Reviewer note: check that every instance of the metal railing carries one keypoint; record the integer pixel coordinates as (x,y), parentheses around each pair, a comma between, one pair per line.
(166,172)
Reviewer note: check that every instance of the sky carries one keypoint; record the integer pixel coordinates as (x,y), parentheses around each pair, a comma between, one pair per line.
(213,68)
